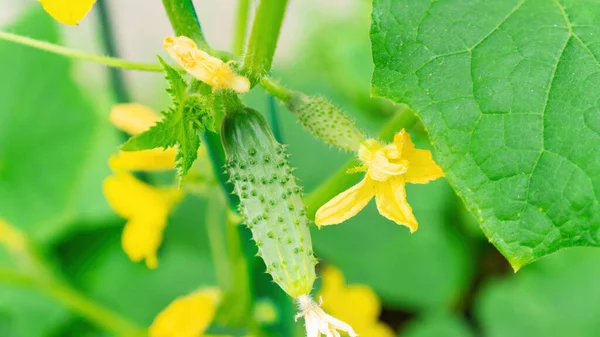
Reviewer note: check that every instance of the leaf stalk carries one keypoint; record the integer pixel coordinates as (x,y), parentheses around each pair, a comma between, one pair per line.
(263,39)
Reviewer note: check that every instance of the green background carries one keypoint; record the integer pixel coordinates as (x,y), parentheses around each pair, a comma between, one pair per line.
(444,280)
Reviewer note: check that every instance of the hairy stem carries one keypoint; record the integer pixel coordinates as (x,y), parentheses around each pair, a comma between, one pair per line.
(78,54)
(241,26)
(269,84)
(275,88)
(215,224)
(182,16)
(274,118)
(237,295)
(331,187)
(263,39)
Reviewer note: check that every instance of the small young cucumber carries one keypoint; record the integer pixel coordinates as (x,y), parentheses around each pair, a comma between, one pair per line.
(270,200)
(326,121)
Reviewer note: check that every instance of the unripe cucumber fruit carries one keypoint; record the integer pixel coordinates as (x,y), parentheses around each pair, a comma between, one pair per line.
(270,200)
(326,121)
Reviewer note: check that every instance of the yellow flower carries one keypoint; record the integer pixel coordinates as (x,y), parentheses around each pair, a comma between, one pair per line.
(146,208)
(187,316)
(204,67)
(388,168)
(69,12)
(356,304)
(135,118)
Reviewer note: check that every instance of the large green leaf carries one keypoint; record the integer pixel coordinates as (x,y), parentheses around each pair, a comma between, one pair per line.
(49,134)
(508,90)
(558,296)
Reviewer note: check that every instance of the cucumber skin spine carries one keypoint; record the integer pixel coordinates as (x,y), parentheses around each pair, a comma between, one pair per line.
(270,200)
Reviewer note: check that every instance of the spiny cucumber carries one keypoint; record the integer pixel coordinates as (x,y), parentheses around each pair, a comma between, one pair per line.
(270,200)
(326,121)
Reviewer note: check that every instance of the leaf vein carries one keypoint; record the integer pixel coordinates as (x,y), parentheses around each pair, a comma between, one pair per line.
(565,16)
(547,99)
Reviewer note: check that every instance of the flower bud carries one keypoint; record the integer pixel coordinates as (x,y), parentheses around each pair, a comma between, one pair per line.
(326,121)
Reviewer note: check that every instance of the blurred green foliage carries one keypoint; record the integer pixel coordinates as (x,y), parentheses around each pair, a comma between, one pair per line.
(438,325)
(50,136)
(557,296)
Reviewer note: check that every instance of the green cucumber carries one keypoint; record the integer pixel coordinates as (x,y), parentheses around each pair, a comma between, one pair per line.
(270,199)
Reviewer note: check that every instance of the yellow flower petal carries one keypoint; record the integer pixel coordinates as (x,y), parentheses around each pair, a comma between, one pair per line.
(392,203)
(369,306)
(146,207)
(204,67)
(346,204)
(353,303)
(129,196)
(333,279)
(375,330)
(187,316)
(142,237)
(381,169)
(421,168)
(333,286)
(133,118)
(69,12)
(356,304)
(146,160)
(239,84)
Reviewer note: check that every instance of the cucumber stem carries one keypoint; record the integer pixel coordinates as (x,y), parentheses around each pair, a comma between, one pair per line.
(241,26)
(263,39)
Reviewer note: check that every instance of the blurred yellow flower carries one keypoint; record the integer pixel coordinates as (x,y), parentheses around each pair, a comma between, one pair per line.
(204,67)
(388,168)
(11,238)
(146,208)
(187,316)
(69,12)
(355,304)
(145,160)
(132,118)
